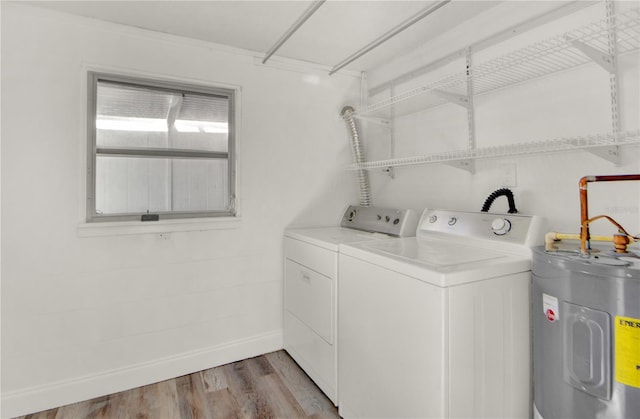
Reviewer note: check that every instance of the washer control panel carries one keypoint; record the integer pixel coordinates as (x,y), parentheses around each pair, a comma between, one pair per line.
(395,222)
(510,228)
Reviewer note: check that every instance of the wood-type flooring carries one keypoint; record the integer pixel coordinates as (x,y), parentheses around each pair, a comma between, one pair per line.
(267,386)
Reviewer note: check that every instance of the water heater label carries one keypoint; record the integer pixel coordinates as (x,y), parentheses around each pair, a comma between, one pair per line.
(550,308)
(627,335)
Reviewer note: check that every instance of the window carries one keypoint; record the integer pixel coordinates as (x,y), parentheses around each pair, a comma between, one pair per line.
(159,150)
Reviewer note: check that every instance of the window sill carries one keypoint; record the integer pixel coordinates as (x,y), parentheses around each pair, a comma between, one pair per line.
(154,227)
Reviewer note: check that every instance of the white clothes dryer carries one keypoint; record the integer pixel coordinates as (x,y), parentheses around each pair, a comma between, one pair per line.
(437,326)
(311,282)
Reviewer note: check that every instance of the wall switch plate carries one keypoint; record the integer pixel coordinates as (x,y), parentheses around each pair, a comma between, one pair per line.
(508,175)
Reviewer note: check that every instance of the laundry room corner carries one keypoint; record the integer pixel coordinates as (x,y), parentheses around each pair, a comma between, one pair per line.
(316,208)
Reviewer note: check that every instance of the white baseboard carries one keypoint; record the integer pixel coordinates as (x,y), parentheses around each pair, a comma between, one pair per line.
(48,396)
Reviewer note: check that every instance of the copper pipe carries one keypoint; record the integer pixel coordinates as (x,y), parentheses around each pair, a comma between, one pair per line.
(620,242)
(584,210)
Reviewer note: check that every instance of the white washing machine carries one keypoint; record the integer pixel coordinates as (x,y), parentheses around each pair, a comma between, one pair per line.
(437,326)
(311,281)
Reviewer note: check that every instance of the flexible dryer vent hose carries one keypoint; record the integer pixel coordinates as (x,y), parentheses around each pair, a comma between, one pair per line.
(358,155)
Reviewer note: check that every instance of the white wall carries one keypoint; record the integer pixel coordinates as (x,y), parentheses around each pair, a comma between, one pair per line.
(572,103)
(89,312)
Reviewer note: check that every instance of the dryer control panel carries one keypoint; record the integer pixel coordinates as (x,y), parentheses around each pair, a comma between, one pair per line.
(395,222)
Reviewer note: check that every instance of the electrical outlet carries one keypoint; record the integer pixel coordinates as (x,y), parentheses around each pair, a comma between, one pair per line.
(508,175)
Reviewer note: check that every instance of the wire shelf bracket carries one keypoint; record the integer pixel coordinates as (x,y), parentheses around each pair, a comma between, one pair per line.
(456,99)
(468,165)
(378,121)
(601,58)
(609,153)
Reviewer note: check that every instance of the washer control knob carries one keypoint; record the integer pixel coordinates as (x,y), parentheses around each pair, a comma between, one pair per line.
(452,221)
(500,226)
(396,221)
(387,218)
(433,218)
(379,217)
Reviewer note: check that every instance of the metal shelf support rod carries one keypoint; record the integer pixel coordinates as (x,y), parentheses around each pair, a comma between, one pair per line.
(296,25)
(616,124)
(388,35)
(392,134)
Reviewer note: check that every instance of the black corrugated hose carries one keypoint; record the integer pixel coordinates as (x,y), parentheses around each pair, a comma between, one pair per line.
(500,192)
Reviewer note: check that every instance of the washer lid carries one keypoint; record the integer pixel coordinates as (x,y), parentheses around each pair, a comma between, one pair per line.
(439,262)
(438,254)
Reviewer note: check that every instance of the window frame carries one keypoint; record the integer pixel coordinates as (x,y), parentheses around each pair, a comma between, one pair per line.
(93,77)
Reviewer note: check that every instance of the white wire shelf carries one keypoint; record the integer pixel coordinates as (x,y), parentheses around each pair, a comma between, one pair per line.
(540,59)
(521,149)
